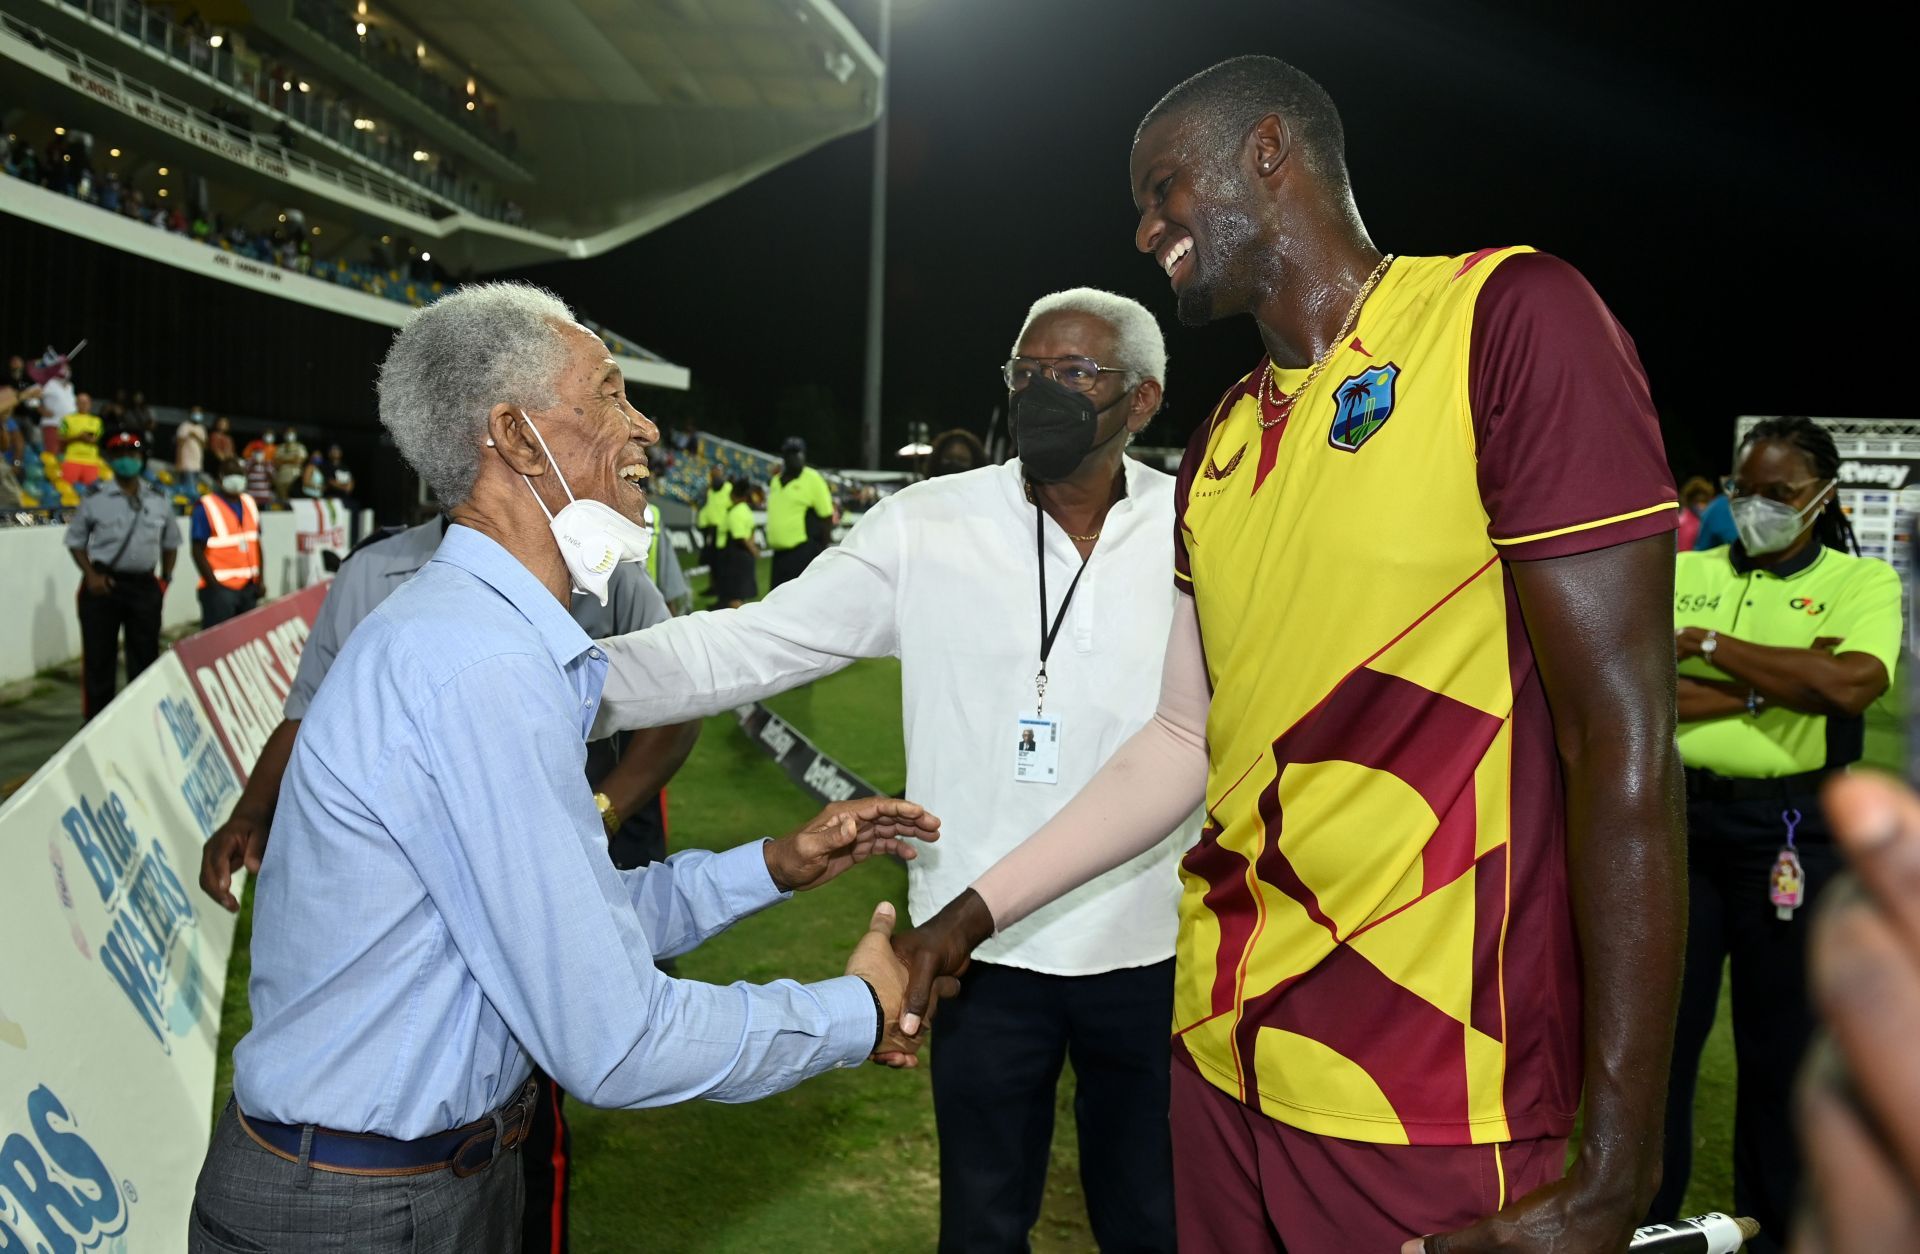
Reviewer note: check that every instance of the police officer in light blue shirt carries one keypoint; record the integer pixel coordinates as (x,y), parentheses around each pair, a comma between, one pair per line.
(435,911)
(116,538)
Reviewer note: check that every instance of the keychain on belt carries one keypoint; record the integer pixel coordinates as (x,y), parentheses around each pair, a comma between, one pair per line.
(1787,886)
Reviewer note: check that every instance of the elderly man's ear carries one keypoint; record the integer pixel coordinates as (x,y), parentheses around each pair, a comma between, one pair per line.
(1146,403)
(510,436)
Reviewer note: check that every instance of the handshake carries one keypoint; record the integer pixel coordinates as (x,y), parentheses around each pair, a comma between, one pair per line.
(910,973)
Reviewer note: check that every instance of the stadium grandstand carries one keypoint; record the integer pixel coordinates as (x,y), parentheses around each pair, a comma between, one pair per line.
(235,204)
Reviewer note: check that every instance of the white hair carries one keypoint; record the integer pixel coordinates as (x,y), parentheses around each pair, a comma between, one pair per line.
(1137,342)
(486,344)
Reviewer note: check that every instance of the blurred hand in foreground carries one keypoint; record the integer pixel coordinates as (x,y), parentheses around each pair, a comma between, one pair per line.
(1859,1096)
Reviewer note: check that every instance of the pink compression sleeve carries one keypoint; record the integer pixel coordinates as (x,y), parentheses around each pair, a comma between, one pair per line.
(1147,788)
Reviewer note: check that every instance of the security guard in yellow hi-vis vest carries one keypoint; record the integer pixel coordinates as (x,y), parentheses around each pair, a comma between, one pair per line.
(1785,637)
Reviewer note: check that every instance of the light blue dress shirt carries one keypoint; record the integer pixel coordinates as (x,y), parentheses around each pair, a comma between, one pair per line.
(436,903)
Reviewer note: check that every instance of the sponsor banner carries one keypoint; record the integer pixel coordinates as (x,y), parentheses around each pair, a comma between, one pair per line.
(1874,471)
(110,1011)
(816,774)
(243,669)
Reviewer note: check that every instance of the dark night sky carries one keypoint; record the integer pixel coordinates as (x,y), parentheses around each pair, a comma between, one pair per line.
(1726,183)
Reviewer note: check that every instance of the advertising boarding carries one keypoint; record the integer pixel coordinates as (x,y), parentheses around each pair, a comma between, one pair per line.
(110,996)
(110,1004)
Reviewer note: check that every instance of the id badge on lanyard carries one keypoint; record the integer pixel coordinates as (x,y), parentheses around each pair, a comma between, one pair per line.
(1036,754)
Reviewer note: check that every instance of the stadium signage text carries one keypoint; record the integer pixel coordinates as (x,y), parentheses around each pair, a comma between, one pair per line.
(175,124)
(146,947)
(56,1194)
(816,774)
(1892,473)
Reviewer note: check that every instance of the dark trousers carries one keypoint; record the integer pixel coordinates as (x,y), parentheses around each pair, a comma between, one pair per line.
(995,1068)
(1731,847)
(218,603)
(790,563)
(546,1156)
(641,837)
(132,605)
(546,1166)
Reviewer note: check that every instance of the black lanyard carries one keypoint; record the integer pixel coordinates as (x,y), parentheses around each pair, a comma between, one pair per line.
(1049,634)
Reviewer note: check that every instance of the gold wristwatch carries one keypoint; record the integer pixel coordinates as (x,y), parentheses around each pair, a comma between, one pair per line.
(609,817)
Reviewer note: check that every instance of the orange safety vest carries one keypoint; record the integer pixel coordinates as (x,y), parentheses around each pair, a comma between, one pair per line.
(233,541)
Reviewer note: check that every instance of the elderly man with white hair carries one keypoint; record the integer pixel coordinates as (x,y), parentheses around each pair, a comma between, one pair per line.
(1029,607)
(436,912)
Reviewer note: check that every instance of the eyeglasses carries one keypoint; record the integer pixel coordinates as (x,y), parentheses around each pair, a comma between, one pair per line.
(1784,493)
(1077,374)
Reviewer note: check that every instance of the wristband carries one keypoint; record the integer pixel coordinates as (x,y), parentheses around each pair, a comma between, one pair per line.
(879,1015)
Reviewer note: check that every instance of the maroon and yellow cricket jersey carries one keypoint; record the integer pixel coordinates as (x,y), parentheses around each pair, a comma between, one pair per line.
(1376,940)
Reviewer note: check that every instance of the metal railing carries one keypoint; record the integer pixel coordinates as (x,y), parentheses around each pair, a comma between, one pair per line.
(247,147)
(329,20)
(317,113)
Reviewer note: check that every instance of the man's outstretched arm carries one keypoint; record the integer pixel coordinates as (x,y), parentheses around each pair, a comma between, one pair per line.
(1601,628)
(1150,785)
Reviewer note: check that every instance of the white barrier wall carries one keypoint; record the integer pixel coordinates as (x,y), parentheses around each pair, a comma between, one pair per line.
(110,1012)
(39,582)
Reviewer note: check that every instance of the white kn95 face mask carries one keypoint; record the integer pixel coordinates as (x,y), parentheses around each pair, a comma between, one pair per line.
(593,536)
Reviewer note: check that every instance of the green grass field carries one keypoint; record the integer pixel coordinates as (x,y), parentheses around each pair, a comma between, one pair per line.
(846,1162)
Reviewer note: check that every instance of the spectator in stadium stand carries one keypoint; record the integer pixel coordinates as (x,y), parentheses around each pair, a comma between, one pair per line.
(113,416)
(1785,637)
(259,472)
(224,530)
(1695,495)
(1717,529)
(289,460)
(955,452)
(190,450)
(117,538)
(139,417)
(736,574)
(339,476)
(9,481)
(55,377)
(220,440)
(435,783)
(800,513)
(1455,461)
(80,462)
(712,518)
(14,421)
(937,575)
(264,442)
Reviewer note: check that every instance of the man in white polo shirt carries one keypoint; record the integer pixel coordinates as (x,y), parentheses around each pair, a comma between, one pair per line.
(1024,598)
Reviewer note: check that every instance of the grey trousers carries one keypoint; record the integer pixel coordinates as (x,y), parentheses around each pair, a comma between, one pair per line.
(251,1201)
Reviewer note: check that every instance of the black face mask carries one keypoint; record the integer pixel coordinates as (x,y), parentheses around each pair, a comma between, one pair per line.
(791,464)
(1056,428)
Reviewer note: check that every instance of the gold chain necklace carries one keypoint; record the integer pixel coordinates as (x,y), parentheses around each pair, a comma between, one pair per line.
(1076,539)
(1283,405)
